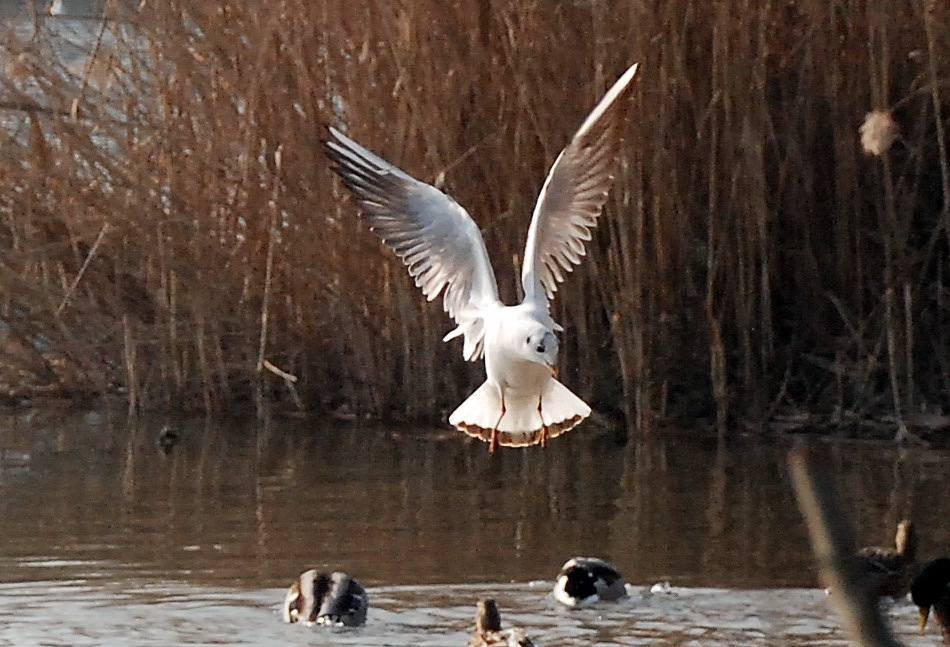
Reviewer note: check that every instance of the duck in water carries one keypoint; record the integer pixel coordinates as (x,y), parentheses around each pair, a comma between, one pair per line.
(586,580)
(930,591)
(889,570)
(488,632)
(334,599)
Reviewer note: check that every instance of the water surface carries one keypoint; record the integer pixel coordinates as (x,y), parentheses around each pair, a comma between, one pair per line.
(106,540)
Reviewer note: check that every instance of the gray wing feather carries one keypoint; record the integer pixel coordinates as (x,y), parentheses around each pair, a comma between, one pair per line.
(437,240)
(573,197)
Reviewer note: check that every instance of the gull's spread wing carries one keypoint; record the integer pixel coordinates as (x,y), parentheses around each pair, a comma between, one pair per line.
(573,196)
(435,237)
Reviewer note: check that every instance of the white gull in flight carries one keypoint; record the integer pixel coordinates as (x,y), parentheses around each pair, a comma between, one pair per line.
(521,402)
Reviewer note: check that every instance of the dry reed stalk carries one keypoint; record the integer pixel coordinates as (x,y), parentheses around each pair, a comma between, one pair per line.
(909,345)
(131,382)
(894,262)
(204,366)
(82,270)
(221,369)
(934,57)
(717,355)
(743,205)
(268,272)
(175,353)
(944,365)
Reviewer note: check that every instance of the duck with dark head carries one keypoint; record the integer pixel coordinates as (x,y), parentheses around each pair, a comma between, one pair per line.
(586,580)
(930,591)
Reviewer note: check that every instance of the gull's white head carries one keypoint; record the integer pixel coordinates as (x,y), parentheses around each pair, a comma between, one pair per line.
(540,345)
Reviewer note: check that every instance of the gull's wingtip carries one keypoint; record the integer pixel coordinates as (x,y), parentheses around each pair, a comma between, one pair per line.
(333,133)
(617,89)
(627,77)
(333,143)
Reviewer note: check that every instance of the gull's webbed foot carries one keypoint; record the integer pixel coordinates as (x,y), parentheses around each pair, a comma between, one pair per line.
(493,441)
(543,440)
(543,437)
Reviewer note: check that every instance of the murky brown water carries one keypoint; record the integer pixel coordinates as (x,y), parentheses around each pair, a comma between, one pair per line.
(106,541)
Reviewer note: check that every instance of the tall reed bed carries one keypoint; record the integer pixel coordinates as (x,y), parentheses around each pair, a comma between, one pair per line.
(170,229)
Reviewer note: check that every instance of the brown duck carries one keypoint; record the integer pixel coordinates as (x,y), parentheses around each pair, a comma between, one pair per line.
(488,632)
(889,571)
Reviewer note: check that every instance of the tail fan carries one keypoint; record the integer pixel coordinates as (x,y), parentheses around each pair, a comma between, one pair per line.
(521,425)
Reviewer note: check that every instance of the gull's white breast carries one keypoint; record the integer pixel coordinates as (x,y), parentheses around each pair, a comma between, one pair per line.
(506,330)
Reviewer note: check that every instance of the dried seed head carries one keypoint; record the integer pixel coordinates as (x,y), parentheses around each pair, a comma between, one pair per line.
(878,132)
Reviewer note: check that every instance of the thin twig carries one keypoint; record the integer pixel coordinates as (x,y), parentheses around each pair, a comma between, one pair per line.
(82,270)
(932,57)
(289,379)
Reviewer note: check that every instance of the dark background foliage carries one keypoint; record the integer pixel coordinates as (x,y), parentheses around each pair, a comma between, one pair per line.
(170,231)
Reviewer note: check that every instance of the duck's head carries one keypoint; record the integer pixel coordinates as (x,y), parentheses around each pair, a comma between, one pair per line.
(487,616)
(930,585)
(906,539)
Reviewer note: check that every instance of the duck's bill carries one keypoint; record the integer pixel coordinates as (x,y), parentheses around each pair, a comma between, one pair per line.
(924,613)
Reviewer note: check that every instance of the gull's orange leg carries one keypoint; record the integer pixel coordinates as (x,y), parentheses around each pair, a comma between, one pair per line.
(493,441)
(543,440)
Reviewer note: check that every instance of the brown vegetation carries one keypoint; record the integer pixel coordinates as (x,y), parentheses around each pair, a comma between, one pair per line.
(170,230)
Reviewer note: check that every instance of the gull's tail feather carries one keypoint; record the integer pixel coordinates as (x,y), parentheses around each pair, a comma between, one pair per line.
(521,425)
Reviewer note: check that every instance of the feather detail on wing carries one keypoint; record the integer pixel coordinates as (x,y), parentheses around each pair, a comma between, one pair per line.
(573,196)
(437,240)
